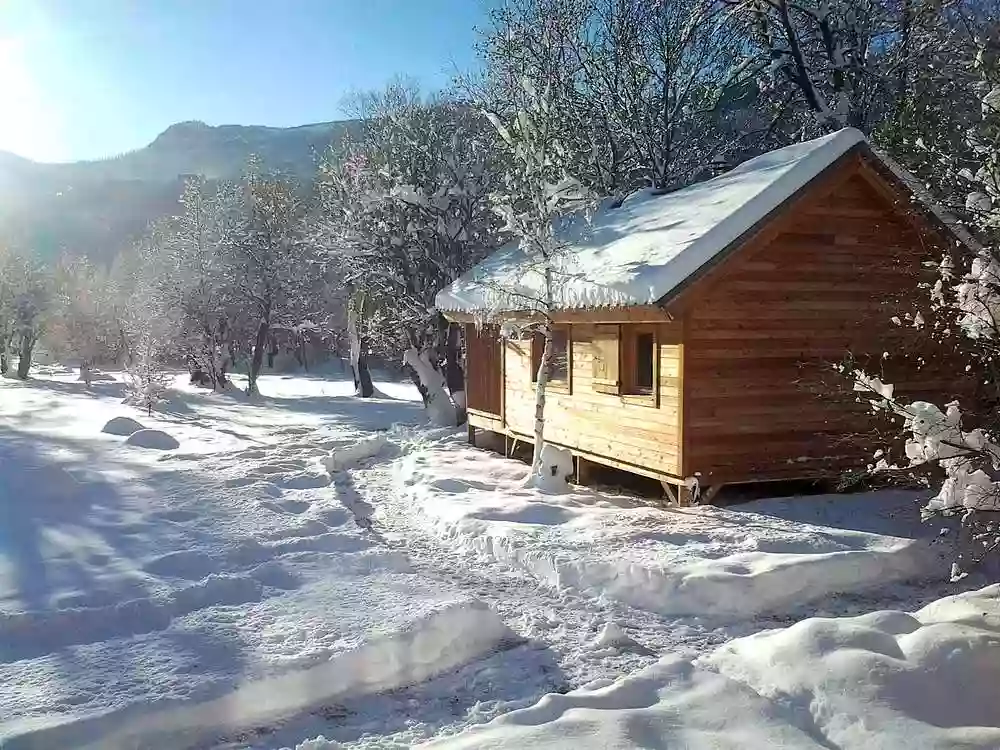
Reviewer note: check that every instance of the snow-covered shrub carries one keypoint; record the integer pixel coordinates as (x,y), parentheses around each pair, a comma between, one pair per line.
(969,460)
(146,382)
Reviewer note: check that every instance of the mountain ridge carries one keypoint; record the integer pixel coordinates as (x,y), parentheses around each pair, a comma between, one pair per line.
(97,207)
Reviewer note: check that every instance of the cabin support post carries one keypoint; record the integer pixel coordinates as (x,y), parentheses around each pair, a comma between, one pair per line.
(472,435)
(686,497)
(584,470)
(671,492)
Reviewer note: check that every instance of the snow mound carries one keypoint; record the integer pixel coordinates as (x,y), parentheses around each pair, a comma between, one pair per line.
(156,439)
(697,561)
(122,426)
(443,640)
(885,680)
(668,706)
(351,455)
(556,469)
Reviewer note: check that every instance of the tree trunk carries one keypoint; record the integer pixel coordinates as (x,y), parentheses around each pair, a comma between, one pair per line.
(363,386)
(272,350)
(24,363)
(258,356)
(454,375)
(541,381)
(439,406)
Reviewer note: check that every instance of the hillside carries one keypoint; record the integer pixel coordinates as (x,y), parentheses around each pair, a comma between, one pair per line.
(95,208)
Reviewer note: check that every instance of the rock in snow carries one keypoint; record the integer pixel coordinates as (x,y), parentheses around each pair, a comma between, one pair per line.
(123,426)
(156,439)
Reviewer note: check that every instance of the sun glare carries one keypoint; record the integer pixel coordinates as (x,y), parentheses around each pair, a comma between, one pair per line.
(25,124)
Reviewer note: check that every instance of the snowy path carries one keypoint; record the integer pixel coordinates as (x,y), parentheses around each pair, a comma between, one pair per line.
(560,630)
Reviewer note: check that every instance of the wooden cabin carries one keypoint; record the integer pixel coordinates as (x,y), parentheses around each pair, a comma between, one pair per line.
(690,324)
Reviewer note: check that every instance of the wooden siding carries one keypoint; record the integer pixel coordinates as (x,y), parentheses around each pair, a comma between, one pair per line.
(483,370)
(602,425)
(825,280)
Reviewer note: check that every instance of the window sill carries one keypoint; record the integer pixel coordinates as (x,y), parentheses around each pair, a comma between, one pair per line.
(557,386)
(640,399)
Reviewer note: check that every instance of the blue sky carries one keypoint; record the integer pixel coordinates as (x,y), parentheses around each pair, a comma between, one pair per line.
(91,78)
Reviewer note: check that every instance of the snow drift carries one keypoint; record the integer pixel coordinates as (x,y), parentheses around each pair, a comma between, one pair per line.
(886,680)
(445,639)
(697,561)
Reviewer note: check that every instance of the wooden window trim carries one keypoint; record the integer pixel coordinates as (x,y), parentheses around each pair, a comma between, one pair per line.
(609,385)
(559,386)
(629,394)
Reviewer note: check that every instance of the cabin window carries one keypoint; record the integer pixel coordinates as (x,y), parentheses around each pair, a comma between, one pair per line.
(560,365)
(605,347)
(639,361)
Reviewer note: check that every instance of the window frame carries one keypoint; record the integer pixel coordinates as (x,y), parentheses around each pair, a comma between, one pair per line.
(605,334)
(538,345)
(628,372)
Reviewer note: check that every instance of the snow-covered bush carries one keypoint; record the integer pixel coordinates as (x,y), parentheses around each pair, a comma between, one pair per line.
(146,379)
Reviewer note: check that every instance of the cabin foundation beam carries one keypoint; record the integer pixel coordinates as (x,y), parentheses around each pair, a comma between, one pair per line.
(709,493)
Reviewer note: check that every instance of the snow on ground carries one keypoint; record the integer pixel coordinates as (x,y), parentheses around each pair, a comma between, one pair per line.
(302,565)
(881,681)
(157,599)
(692,561)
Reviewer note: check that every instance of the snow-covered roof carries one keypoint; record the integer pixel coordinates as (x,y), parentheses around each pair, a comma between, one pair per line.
(641,251)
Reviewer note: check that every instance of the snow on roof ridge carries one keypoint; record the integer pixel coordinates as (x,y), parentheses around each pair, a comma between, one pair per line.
(641,251)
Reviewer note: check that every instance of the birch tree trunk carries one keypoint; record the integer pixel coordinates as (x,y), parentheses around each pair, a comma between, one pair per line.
(541,381)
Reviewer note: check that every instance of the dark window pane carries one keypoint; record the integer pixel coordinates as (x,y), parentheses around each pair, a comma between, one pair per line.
(644,362)
(560,355)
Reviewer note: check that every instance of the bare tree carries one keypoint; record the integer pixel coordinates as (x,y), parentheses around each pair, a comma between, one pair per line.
(269,257)
(651,93)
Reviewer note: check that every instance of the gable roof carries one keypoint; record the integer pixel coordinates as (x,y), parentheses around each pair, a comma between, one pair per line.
(644,250)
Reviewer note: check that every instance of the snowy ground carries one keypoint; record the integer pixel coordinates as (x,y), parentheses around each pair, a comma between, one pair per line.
(312,564)
(698,561)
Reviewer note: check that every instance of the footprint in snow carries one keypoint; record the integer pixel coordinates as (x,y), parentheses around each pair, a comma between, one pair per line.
(189,565)
(177,516)
(304,481)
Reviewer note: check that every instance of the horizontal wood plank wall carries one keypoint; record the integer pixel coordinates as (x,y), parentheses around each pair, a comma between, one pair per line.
(483,369)
(602,424)
(760,337)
